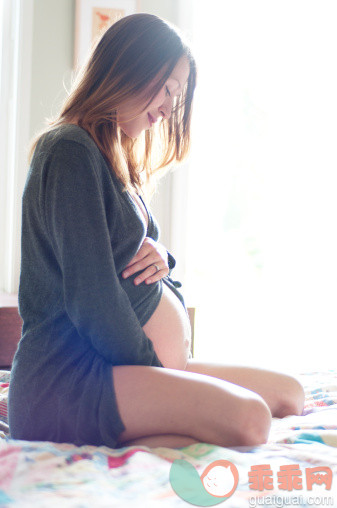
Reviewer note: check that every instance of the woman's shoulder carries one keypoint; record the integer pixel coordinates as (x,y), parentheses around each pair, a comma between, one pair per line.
(70,147)
(67,134)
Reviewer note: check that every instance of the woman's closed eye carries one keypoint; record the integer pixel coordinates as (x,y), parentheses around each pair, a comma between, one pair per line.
(168,91)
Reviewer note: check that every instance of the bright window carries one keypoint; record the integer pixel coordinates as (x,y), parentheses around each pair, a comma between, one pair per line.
(262,225)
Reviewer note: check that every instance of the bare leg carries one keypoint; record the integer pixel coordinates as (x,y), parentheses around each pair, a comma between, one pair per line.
(166,440)
(191,407)
(283,393)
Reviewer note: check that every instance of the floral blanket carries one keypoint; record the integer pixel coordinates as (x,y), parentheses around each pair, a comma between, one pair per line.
(297,467)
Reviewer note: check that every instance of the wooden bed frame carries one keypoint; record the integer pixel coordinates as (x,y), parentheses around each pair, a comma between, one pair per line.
(11,327)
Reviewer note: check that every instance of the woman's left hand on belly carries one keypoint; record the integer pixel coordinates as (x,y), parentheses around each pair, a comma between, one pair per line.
(152,258)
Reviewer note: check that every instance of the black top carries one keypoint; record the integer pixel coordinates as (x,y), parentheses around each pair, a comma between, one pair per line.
(79,231)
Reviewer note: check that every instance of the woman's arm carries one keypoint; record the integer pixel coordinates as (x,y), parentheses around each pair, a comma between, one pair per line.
(94,299)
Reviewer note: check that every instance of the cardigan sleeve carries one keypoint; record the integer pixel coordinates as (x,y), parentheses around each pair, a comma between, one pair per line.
(77,225)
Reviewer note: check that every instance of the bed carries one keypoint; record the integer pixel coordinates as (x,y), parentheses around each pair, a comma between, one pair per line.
(296,467)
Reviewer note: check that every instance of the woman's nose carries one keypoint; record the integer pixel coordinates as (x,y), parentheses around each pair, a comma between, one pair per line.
(166,108)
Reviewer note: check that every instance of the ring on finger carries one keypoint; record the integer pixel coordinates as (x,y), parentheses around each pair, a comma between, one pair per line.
(157,268)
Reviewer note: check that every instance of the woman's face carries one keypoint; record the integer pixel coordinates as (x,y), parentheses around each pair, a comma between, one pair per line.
(160,107)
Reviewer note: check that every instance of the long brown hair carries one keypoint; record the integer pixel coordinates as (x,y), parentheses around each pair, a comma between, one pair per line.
(128,57)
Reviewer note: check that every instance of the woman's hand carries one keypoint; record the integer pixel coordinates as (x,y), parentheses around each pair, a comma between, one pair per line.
(152,258)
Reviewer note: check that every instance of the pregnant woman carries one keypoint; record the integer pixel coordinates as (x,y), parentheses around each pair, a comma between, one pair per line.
(104,357)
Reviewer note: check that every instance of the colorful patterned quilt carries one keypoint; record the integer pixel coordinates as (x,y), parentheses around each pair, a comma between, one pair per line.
(297,467)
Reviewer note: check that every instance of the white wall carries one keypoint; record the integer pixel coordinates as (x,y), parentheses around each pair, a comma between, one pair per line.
(52,58)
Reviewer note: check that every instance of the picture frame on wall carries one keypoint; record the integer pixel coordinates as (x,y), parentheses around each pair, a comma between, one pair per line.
(92,18)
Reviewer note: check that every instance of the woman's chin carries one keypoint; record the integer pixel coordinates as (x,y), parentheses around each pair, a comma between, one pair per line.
(130,132)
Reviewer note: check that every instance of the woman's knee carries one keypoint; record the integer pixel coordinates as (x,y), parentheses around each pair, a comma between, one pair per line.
(255,423)
(245,421)
(292,397)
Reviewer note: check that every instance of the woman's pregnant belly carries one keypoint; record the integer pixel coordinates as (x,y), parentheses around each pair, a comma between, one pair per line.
(170,331)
